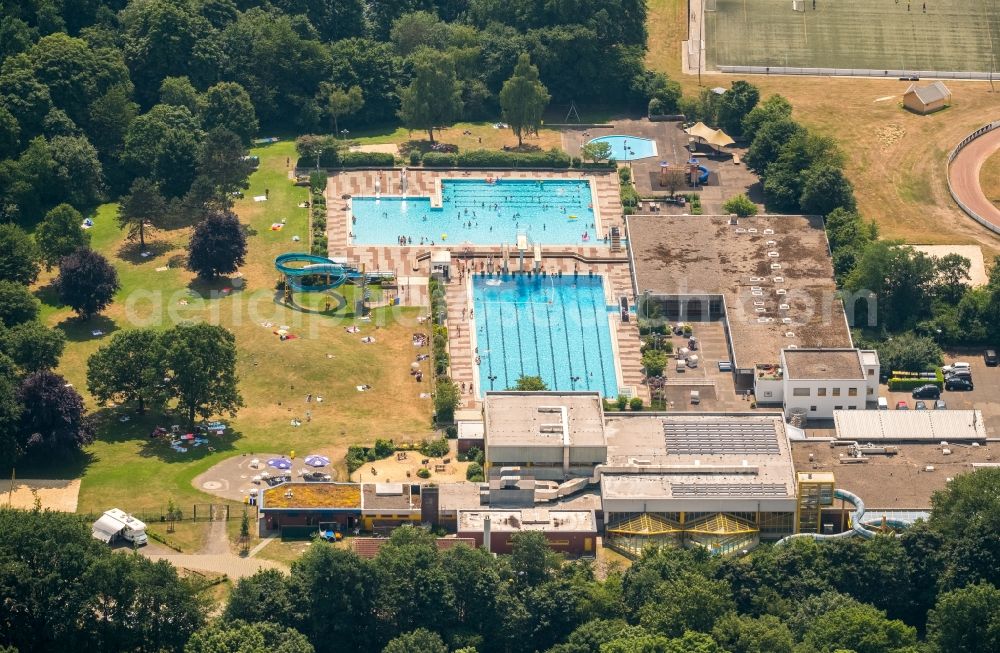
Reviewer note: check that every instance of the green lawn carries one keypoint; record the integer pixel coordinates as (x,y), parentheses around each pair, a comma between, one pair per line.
(124,468)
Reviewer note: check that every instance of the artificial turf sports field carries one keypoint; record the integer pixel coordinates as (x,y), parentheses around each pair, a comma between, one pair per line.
(953,35)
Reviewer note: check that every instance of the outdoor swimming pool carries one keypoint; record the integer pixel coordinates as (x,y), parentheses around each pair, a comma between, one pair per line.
(549,211)
(628,148)
(553,327)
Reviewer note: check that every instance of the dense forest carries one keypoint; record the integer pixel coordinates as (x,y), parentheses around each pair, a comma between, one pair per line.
(931,590)
(94,95)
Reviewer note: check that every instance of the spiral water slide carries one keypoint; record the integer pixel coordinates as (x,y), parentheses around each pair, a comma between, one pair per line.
(857,528)
(321,273)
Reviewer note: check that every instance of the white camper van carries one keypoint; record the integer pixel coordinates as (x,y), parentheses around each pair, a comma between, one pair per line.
(115,524)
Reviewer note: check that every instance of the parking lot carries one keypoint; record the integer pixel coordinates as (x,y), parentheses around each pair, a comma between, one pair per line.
(987,389)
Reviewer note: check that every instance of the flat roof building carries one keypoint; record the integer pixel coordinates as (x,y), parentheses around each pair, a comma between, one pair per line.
(910,426)
(567,531)
(817,382)
(770,278)
(557,434)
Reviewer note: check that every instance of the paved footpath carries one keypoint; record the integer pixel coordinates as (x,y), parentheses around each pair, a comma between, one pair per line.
(233,566)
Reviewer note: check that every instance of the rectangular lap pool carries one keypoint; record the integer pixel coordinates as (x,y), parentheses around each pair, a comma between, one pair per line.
(553,327)
(473,211)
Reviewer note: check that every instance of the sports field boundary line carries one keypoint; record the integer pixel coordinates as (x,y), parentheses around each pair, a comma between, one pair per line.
(985,129)
(857,72)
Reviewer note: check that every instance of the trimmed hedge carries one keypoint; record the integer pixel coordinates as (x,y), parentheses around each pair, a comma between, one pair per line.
(500,159)
(367,160)
(610,164)
(897,384)
(440,160)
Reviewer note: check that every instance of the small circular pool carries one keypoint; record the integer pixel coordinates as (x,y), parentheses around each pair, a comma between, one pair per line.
(628,148)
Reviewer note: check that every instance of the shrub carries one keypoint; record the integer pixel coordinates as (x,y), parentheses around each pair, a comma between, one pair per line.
(423,472)
(474,473)
(383,448)
(451,432)
(630,197)
(576,161)
(446,400)
(415,157)
(741,205)
(624,175)
(367,159)
(317,181)
(622,402)
(897,384)
(475,454)
(439,160)
(356,457)
(499,159)
(654,361)
(435,448)
(635,403)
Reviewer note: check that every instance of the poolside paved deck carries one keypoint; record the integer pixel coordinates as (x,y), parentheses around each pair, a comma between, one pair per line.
(412,263)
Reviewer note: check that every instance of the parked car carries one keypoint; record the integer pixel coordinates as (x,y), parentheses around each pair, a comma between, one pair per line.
(940,404)
(901,405)
(958,383)
(965,373)
(990,357)
(883,403)
(928,391)
(920,406)
(957,365)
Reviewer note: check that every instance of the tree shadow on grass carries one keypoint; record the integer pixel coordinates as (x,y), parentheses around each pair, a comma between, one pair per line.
(78,330)
(132,253)
(70,466)
(140,428)
(217,287)
(48,295)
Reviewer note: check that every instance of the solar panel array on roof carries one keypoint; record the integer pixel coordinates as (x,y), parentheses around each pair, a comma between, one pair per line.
(728,489)
(729,437)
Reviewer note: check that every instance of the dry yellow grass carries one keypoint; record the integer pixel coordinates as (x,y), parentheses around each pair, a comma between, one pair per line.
(989,177)
(896,160)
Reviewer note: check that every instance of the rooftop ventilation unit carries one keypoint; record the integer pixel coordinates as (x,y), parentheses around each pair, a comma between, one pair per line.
(772,243)
(778,279)
(760,309)
(768,232)
(792,347)
(789,334)
(757,293)
(786,320)
(758,302)
(740,230)
(752,230)
(776,266)
(773,254)
(757,279)
(781,291)
(765,320)
(783,307)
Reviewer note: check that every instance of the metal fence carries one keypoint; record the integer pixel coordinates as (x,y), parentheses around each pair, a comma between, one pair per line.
(947,171)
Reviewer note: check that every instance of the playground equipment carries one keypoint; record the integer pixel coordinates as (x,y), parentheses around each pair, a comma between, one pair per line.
(697,171)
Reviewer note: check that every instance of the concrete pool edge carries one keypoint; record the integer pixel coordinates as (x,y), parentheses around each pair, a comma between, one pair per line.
(479,392)
(436,201)
(652,142)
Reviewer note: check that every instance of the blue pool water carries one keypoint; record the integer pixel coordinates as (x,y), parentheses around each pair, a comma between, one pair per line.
(553,327)
(550,212)
(628,148)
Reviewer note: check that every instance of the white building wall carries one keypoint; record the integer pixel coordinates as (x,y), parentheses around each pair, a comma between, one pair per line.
(768,391)
(820,398)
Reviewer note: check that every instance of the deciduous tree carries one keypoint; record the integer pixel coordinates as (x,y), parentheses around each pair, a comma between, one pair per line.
(523,99)
(255,637)
(129,369)
(434,97)
(338,102)
(54,421)
(218,245)
(17,304)
(19,257)
(60,233)
(87,282)
(201,363)
(32,346)
(228,105)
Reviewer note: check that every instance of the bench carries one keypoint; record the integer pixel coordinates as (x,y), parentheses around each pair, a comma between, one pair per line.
(736,159)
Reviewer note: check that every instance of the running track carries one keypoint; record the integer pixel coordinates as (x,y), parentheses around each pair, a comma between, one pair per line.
(964,177)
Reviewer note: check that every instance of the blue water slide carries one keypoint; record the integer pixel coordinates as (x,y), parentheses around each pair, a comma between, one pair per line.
(298,266)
